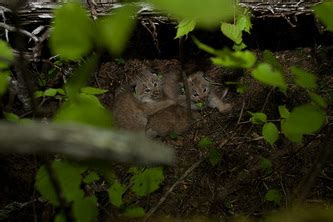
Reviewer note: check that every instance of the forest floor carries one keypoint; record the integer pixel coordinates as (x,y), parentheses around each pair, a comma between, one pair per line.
(238,183)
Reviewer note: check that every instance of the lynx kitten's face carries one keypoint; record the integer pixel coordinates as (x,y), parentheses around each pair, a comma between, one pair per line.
(199,87)
(148,87)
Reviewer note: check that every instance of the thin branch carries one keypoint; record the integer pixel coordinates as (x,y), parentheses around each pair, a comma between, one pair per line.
(24,32)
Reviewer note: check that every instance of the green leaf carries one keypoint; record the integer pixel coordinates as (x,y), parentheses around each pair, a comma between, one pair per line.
(232,32)
(91,177)
(116,192)
(270,59)
(51,92)
(72,34)
(184,27)
(304,79)
(134,212)
(258,118)
(4,82)
(284,112)
(69,178)
(39,94)
(147,181)
(205,142)
(273,195)
(266,164)
(244,23)
(12,117)
(114,31)
(85,209)
(93,91)
(207,15)
(305,119)
(60,218)
(324,12)
(237,59)
(318,100)
(265,74)
(239,47)
(85,110)
(6,55)
(270,133)
(204,47)
(214,156)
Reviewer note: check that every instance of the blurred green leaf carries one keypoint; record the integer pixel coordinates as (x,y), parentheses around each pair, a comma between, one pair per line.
(270,59)
(114,31)
(147,181)
(69,178)
(51,92)
(85,209)
(305,119)
(265,74)
(4,82)
(207,14)
(72,34)
(244,23)
(93,91)
(266,164)
(324,12)
(134,212)
(239,47)
(304,79)
(184,27)
(274,196)
(284,112)
(60,218)
(258,118)
(39,94)
(237,59)
(318,100)
(12,117)
(91,177)
(205,143)
(232,32)
(116,192)
(6,55)
(214,156)
(270,133)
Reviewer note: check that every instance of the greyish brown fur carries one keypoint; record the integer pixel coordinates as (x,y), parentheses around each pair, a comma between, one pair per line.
(202,92)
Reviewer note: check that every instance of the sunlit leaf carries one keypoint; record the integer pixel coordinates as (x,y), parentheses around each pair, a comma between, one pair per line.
(72,34)
(232,32)
(238,59)
(207,14)
(116,192)
(114,31)
(258,118)
(51,92)
(305,119)
(147,181)
(134,212)
(85,209)
(6,55)
(93,91)
(239,47)
(270,133)
(304,79)
(204,47)
(318,100)
(184,27)
(284,112)
(244,23)
(265,73)
(324,12)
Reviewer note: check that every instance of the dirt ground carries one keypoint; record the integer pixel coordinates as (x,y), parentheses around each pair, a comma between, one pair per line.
(238,184)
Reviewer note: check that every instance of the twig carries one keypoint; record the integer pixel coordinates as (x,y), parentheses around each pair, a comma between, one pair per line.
(241,113)
(24,32)
(162,200)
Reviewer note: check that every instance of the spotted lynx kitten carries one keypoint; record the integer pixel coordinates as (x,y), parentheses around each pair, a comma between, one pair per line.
(202,94)
(132,109)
